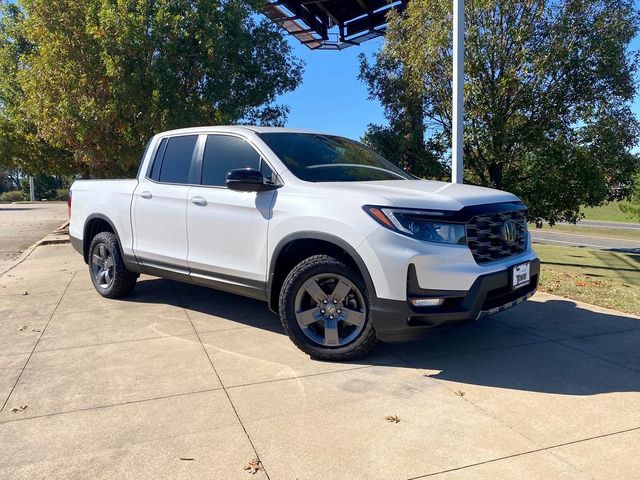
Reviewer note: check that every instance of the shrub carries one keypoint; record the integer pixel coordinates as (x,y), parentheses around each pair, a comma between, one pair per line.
(61,194)
(13,196)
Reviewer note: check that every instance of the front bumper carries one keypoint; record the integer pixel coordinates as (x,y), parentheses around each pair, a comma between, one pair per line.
(397,320)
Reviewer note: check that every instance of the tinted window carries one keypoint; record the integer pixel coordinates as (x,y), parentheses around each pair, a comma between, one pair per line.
(177,159)
(154,172)
(224,153)
(327,158)
(267,173)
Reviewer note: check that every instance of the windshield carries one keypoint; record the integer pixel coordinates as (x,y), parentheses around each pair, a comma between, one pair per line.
(327,158)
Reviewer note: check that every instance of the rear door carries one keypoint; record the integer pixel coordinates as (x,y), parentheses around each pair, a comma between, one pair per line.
(228,229)
(160,206)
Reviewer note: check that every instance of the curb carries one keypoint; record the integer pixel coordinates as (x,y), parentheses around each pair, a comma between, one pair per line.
(42,241)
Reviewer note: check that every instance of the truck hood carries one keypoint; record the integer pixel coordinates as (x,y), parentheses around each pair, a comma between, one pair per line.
(424,193)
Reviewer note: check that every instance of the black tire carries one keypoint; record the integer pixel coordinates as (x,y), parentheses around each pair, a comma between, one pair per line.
(364,336)
(121,281)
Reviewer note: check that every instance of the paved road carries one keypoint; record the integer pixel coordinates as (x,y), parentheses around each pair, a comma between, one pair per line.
(179,381)
(24,224)
(599,224)
(589,241)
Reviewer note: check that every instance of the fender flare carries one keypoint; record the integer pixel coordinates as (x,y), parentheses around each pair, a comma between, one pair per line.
(131,263)
(326,237)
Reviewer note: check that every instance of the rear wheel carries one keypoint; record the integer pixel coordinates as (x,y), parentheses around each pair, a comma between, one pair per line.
(108,273)
(325,310)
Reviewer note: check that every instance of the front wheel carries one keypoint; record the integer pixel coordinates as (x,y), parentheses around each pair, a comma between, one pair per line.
(325,310)
(109,275)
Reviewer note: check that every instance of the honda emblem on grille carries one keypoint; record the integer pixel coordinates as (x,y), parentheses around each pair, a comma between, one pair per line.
(509,231)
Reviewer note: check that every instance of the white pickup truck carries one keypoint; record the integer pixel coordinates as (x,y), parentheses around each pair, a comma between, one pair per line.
(346,247)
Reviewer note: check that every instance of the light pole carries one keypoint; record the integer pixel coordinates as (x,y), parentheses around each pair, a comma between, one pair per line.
(457,117)
(32,190)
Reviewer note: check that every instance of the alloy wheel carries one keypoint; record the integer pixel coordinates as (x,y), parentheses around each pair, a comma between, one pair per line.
(330,310)
(102,266)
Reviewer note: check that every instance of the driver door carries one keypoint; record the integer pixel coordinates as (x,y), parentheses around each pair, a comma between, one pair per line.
(227,229)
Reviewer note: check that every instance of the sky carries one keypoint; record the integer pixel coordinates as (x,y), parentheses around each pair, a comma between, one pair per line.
(332,99)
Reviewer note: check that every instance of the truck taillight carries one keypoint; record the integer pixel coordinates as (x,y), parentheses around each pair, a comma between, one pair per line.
(69,203)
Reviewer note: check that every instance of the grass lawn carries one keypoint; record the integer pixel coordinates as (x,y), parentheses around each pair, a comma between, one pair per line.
(607,279)
(621,233)
(608,213)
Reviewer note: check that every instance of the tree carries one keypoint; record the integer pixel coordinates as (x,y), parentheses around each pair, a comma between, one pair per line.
(547,93)
(103,76)
(20,147)
(403,140)
(633,207)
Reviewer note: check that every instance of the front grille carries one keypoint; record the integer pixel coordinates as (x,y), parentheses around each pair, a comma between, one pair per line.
(486,237)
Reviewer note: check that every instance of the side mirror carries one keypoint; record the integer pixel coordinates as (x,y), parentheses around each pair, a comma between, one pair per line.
(246,180)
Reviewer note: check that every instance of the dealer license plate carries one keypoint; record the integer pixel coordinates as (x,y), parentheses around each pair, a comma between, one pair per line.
(521,275)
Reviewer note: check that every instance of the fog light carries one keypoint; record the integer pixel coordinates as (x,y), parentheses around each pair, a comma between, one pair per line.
(426,302)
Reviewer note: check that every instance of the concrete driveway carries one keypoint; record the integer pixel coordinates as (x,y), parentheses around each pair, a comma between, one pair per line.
(180,382)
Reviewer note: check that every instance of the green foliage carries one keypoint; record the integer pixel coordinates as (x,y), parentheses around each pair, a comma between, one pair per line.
(96,79)
(20,146)
(547,93)
(633,207)
(61,194)
(403,141)
(9,179)
(46,186)
(13,196)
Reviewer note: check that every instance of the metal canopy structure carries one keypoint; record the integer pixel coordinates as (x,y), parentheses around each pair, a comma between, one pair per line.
(311,21)
(356,21)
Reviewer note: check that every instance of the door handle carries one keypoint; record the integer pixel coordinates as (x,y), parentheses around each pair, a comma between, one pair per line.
(200,201)
(146,195)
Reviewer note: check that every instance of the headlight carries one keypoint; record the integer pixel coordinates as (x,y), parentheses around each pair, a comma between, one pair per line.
(418,224)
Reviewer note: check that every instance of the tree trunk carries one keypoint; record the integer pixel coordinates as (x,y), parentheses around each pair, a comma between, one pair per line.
(495,175)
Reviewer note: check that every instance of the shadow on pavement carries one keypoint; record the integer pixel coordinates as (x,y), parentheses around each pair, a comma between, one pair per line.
(549,347)
(18,209)
(206,301)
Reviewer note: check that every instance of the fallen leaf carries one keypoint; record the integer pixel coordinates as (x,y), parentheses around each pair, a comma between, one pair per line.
(22,328)
(392,418)
(188,459)
(19,409)
(254,466)
(460,393)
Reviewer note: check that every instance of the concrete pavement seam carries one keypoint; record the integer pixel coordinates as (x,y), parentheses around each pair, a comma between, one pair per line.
(44,329)
(224,389)
(599,357)
(117,342)
(501,421)
(544,340)
(298,377)
(111,405)
(135,339)
(543,449)
(561,340)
